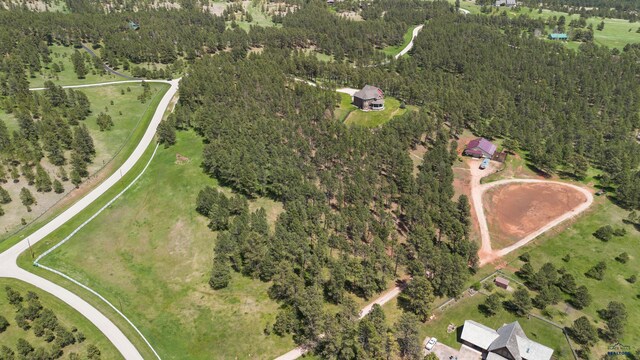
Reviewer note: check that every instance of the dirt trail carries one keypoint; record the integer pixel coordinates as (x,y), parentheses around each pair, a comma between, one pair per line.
(486,253)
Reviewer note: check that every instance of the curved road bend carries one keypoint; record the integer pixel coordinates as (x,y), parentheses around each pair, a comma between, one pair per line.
(8,259)
(477,190)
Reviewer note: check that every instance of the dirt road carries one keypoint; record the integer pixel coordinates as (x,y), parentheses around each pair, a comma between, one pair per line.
(487,254)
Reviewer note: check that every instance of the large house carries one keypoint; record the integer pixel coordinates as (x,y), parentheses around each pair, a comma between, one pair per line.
(369,98)
(507,343)
(508,3)
(480,147)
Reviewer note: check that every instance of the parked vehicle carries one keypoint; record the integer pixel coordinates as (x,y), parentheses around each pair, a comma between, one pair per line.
(484,164)
(431,343)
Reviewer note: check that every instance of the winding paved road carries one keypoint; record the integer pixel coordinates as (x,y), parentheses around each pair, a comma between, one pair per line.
(8,259)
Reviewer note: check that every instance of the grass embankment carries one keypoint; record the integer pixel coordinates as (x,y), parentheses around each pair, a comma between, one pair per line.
(406,39)
(375,118)
(344,108)
(159,252)
(143,116)
(66,315)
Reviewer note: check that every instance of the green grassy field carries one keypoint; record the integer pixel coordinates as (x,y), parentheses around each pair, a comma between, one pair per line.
(259,18)
(62,54)
(344,108)
(616,33)
(67,317)
(375,118)
(394,50)
(159,248)
(585,250)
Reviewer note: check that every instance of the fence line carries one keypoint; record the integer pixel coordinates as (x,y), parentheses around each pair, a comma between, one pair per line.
(37,263)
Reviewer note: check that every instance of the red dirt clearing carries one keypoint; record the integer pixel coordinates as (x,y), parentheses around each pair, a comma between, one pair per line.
(516,210)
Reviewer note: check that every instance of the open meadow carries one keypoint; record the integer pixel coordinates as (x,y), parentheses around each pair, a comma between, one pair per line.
(584,251)
(159,252)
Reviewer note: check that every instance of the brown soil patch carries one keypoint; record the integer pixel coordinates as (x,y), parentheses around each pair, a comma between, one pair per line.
(181,159)
(516,210)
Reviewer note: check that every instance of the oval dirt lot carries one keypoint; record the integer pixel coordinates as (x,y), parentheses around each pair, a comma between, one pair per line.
(515,210)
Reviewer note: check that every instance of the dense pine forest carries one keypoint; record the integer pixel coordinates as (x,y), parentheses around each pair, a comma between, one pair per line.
(358,215)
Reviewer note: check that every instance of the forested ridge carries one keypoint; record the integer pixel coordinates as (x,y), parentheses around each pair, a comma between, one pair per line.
(353,209)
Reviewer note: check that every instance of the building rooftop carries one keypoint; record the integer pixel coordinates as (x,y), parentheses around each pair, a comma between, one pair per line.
(508,342)
(483,144)
(369,92)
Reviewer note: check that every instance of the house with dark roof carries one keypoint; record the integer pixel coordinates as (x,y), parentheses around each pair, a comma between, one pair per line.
(507,343)
(508,3)
(480,147)
(369,98)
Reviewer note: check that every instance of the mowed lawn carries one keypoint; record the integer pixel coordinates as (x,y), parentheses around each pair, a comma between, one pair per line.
(62,55)
(467,309)
(585,251)
(66,315)
(344,108)
(376,118)
(150,253)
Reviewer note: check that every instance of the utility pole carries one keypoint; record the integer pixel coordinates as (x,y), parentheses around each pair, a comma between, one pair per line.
(30,249)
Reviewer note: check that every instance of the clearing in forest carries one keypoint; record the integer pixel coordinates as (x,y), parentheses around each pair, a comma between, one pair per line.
(158,247)
(517,209)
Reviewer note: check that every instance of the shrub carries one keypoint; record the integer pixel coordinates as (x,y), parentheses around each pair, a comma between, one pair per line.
(525,257)
(604,233)
(622,258)
(620,232)
(632,279)
(597,272)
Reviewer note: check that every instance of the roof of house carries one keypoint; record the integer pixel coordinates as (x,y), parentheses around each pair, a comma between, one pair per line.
(510,338)
(558,36)
(477,334)
(502,280)
(369,92)
(482,144)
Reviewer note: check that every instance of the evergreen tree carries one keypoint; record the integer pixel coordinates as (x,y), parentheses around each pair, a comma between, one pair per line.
(26,197)
(406,331)
(104,122)
(521,302)
(43,181)
(167,132)
(57,186)
(418,297)
(5,198)
(83,143)
(583,332)
(581,298)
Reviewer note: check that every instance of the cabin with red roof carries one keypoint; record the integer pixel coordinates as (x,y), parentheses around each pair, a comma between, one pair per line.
(479,148)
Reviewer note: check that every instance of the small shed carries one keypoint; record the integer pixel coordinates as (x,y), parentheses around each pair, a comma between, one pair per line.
(558,37)
(501,282)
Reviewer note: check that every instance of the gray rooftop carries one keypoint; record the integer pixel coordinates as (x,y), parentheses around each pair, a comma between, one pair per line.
(369,92)
(508,342)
